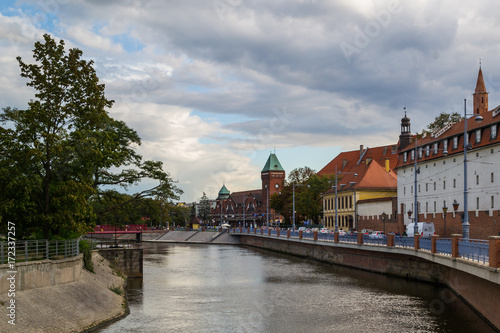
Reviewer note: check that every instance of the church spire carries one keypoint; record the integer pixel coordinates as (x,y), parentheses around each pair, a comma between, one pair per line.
(480,95)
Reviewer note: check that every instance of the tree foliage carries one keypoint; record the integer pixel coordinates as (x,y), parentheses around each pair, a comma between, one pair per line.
(441,120)
(205,213)
(65,148)
(309,188)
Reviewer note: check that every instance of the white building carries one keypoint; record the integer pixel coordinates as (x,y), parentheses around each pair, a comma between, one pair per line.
(441,178)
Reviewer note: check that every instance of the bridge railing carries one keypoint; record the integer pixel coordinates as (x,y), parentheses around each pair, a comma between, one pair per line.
(32,250)
(471,249)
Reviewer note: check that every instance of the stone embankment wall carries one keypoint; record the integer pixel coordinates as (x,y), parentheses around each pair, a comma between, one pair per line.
(61,304)
(128,261)
(477,284)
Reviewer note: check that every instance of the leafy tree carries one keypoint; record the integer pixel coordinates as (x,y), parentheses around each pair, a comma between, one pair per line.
(300,175)
(441,120)
(64,148)
(205,211)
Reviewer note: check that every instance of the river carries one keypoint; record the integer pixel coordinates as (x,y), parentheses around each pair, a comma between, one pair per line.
(221,288)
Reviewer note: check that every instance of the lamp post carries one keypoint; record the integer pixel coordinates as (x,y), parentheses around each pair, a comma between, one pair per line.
(293,199)
(465,224)
(384,216)
(336,182)
(445,209)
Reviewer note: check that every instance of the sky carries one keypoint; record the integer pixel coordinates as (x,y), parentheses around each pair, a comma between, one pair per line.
(214,86)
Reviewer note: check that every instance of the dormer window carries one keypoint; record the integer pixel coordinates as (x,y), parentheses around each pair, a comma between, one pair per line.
(478,135)
(455,142)
(420,152)
(445,145)
(493,131)
(435,148)
(427,150)
(412,156)
(405,157)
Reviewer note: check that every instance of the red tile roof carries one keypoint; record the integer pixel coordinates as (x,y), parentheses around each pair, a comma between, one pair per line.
(456,130)
(351,158)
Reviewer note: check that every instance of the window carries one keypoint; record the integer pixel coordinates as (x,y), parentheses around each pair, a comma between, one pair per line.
(444,184)
(426,187)
(405,157)
(434,186)
(418,188)
(455,142)
(493,131)
(492,178)
(426,207)
(477,203)
(477,179)
(434,206)
(420,152)
(427,150)
(454,183)
(478,135)
(492,201)
(411,189)
(445,145)
(412,155)
(435,148)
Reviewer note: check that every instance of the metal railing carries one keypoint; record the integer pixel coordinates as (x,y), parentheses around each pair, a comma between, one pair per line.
(471,249)
(443,246)
(403,241)
(474,249)
(32,250)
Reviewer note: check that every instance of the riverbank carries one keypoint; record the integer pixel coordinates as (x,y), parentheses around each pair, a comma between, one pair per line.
(79,306)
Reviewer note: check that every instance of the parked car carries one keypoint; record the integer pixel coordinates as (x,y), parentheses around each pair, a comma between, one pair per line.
(366,231)
(324,230)
(376,235)
(342,232)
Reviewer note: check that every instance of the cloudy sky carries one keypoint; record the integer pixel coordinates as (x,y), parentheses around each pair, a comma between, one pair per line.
(213,86)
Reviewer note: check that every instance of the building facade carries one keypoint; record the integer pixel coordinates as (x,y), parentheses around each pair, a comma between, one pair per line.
(362,176)
(439,158)
(251,207)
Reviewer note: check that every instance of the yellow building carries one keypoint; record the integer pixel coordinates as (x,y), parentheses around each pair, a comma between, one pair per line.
(362,175)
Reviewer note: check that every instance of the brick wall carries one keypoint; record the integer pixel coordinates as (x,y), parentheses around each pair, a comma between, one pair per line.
(128,261)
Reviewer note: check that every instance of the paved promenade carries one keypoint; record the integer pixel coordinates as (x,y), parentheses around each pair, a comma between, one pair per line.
(71,307)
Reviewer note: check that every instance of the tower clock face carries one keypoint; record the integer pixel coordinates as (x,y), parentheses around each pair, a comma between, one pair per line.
(277,186)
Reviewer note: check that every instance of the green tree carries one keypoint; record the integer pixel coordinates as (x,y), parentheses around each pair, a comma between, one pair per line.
(441,120)
(64,148)
(300,175)
(205,213)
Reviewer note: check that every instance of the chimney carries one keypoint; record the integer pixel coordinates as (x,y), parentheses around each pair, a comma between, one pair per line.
(387,167)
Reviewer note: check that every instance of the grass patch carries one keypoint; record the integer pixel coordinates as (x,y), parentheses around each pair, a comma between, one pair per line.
(86,249)
(117,290)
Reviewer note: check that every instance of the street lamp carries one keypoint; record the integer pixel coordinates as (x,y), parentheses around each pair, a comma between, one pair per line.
(445,209)
(336,182)
(465,224)
(293,199)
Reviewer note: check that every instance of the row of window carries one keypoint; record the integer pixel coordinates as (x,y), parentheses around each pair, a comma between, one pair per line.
(454,142)
(343,202)
(492,180)
(439,209)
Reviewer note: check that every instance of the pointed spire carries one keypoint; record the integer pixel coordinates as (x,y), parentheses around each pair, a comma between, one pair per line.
(480,87)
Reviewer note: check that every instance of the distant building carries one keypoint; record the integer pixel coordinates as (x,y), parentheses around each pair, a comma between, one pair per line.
(440,177)
(364,176)
(250,207)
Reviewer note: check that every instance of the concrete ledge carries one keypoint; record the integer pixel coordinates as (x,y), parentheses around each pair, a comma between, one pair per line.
(43,273)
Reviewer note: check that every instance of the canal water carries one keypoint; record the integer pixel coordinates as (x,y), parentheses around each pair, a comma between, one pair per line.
(220,288)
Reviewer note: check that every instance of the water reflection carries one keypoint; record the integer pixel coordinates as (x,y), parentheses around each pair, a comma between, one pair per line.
(211,288)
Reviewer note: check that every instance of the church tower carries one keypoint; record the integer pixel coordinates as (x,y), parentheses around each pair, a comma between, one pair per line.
(273,177)
(480,96)
(405,137)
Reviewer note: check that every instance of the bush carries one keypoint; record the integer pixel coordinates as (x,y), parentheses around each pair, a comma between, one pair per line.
(86,249)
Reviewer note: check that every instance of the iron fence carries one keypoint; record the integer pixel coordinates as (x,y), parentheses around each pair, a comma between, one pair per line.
(32,250)
(443,246)
(403,241)
(474,249)
(425,243)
